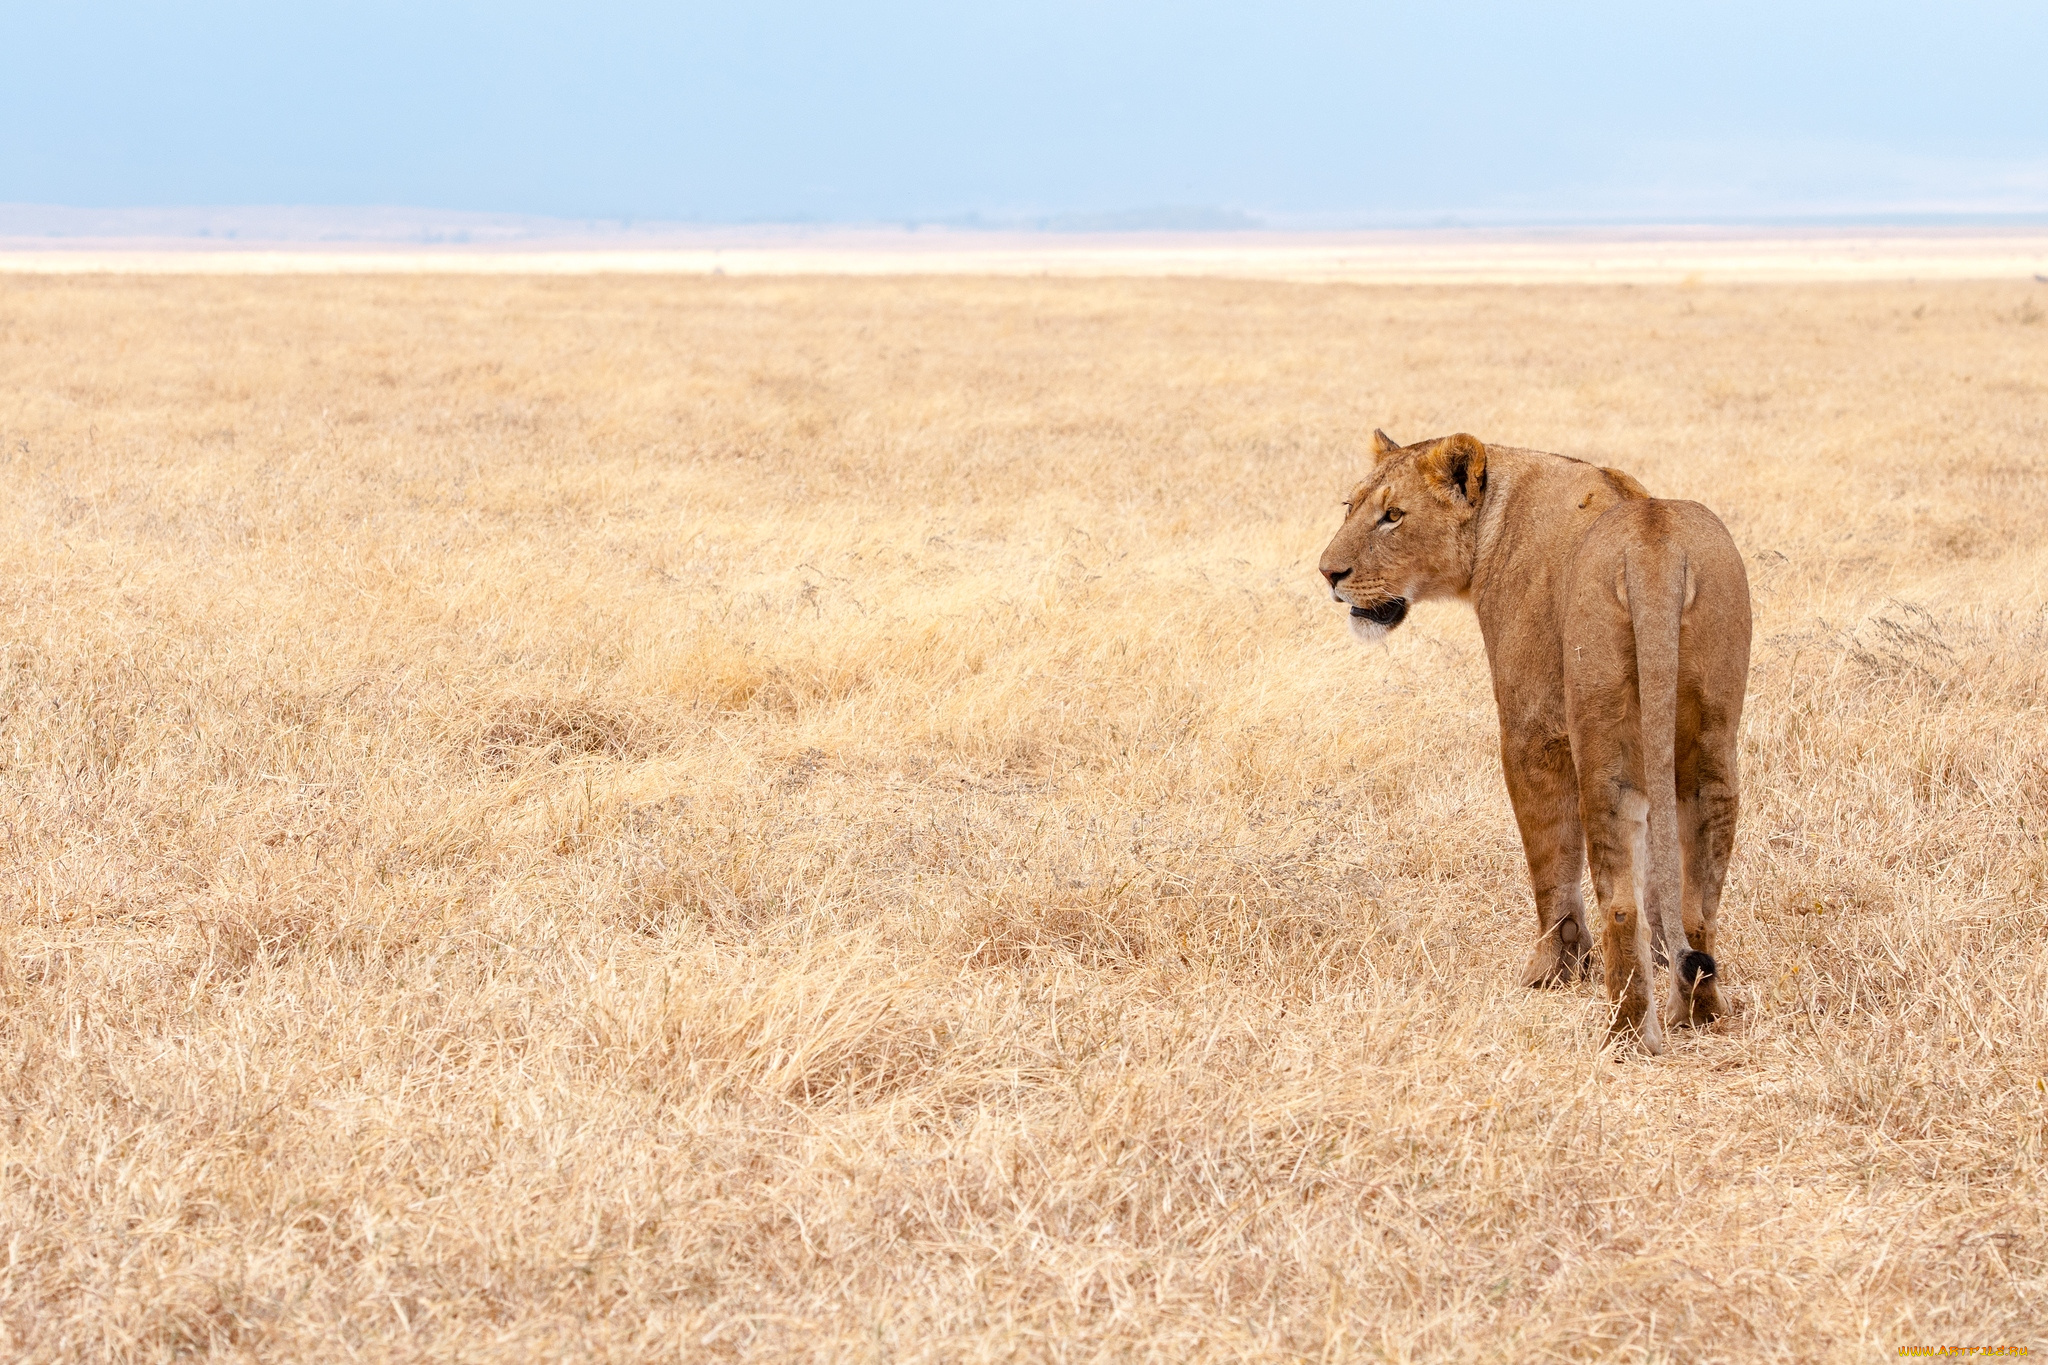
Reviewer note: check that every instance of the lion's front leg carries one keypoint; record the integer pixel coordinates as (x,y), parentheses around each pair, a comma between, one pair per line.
(1562,943)
(1544,789)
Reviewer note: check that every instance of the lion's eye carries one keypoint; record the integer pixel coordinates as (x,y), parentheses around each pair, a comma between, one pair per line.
(1392,517)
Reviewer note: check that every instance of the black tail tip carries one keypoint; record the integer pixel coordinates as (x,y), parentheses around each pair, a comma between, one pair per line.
(1695,967)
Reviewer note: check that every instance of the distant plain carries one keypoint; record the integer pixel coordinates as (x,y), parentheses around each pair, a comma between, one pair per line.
(411,241)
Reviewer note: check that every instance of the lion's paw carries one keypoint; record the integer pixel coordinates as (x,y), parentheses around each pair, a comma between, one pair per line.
(1553,964)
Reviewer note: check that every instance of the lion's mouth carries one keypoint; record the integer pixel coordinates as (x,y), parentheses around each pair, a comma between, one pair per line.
(1386,614)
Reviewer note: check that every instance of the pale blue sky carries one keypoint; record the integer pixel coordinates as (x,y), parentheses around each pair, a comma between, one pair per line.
(1303,113)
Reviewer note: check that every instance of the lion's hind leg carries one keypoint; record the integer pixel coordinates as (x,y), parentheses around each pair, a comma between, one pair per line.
(1707,823)
(1617,837)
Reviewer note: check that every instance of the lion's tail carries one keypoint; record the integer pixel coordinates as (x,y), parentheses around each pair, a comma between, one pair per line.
(1657,583)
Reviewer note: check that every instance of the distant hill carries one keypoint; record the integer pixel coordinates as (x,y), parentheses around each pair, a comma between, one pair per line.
(288,224)
(284,225)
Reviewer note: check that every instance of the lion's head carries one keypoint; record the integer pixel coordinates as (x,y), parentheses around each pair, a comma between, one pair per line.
(1409,531)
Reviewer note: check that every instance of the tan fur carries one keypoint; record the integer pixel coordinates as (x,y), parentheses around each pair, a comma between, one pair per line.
(1617,629)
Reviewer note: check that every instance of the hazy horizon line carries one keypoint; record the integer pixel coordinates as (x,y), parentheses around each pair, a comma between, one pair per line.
(420,225)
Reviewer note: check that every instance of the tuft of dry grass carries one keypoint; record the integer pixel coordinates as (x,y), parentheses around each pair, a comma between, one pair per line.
(827,818)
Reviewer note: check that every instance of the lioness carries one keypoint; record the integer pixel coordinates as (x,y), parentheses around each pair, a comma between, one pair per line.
(1617,629)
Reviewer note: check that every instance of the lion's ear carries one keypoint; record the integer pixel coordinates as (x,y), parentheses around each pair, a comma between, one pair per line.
(1458,465)
(1383,444)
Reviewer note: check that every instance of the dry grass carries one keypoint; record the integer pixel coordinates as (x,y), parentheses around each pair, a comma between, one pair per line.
(625,817)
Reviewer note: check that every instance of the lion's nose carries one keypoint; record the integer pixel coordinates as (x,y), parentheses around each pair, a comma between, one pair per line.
(1336,576)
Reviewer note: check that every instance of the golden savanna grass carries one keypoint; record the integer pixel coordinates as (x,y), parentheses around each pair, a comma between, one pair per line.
(826,818)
